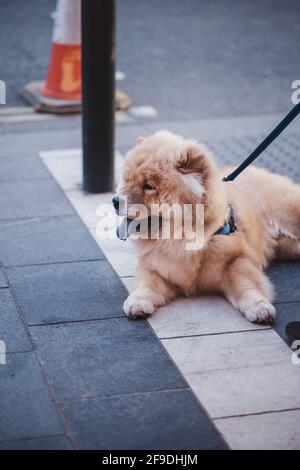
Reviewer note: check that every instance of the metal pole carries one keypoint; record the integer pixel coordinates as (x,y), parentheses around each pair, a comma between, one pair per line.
(98,94)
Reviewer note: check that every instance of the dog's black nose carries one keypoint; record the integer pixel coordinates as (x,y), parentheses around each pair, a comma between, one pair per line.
(116,202)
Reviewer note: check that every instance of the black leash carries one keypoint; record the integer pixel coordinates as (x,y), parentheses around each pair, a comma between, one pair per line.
(265,143)
(292,329)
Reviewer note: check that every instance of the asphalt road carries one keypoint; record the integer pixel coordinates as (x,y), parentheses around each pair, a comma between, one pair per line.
(188,58)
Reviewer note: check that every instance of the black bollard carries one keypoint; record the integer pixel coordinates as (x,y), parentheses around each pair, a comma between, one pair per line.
(98,94)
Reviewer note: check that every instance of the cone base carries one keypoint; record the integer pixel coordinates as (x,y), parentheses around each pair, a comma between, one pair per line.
(43,104)
(59,96)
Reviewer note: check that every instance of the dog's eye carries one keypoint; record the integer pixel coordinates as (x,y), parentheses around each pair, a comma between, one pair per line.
(148,187)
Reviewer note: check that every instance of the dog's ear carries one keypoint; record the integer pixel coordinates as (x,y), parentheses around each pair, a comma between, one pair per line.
(139,140)
(192,159)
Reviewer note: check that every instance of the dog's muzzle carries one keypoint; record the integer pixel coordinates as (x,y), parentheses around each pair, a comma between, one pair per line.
(142,227)
(116,203)
(127,228)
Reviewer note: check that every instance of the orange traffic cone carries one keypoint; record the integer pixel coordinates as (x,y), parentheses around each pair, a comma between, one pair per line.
(64,72)
(61,93)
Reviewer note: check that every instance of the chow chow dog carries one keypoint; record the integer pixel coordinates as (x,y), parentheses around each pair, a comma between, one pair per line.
(247,224)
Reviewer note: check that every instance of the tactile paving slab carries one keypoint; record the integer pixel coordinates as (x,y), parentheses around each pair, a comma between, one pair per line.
(282,156)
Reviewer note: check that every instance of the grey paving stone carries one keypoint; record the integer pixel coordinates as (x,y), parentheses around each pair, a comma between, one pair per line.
(32,198)
(12,330)
(267,431)
(31,143)
(46,240)
(285,278)
(229,128)
(26,407)
(286,313)
(126,135)
(224,372)
(2,281)
(68,291)
(46,443)
(164,420)
(52,124)
(102,358)
(20,167)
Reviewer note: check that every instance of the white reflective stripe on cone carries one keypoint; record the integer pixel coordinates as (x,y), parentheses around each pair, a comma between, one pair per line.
(67,21)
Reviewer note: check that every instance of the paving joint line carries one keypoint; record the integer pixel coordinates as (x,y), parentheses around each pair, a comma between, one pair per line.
(7,129)
(66,322)
(40,217)
(55,263)
(25,439)
(17,180)
(127,394)
(216,334)
(26,351)
(10,219)
(287,302)
(41,365)
(258,413)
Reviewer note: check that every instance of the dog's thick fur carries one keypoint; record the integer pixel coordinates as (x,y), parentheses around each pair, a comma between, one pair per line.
(266,210)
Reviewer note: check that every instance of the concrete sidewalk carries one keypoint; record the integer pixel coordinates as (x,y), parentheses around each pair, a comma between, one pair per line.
(188,378)
(221,355)
(78,374)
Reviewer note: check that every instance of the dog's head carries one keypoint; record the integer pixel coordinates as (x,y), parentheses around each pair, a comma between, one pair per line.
(163,170)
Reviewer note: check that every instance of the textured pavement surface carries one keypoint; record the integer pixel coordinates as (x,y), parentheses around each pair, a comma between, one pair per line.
(90,373)
(219,353)
(78,373)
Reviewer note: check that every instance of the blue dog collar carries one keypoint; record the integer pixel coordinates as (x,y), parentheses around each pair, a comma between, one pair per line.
(229,225)
(225,230)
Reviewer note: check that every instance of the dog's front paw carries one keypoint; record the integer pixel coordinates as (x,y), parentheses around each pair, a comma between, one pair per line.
(261,312)
(138,307)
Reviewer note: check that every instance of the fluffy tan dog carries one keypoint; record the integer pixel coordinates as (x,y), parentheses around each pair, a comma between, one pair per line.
(166,169)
